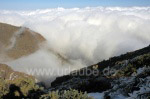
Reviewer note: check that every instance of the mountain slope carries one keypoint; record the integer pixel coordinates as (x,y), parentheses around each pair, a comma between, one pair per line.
(127,75)
(7,73)
(12,81)
(16,42)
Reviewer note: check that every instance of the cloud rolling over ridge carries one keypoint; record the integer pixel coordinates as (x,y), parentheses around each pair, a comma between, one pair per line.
(83,36)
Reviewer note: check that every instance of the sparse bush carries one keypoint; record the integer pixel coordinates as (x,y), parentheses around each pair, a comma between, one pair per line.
(25,84)
(66,94)
(127,71)
(3,88)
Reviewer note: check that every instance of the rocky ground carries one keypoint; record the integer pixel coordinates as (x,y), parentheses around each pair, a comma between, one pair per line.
(126,76)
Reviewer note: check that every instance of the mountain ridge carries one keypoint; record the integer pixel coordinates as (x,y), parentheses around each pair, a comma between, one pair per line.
(16,42)
(110,62)
(118,76)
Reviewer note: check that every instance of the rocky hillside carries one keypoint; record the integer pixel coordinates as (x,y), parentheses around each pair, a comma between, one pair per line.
(9,74)
(16,42)
(17,85)
(13,83)
(123,76)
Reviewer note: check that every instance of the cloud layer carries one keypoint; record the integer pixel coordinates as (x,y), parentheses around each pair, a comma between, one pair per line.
(84,35)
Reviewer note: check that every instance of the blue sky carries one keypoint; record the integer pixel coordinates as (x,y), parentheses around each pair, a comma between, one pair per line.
(42,4)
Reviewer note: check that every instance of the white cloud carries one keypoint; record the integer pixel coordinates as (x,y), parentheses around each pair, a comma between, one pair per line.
(86,35)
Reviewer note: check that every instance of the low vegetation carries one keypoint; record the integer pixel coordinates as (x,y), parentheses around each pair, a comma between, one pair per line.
(66,94)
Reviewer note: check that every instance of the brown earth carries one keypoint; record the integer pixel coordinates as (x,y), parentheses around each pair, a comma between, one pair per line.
(16,42)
